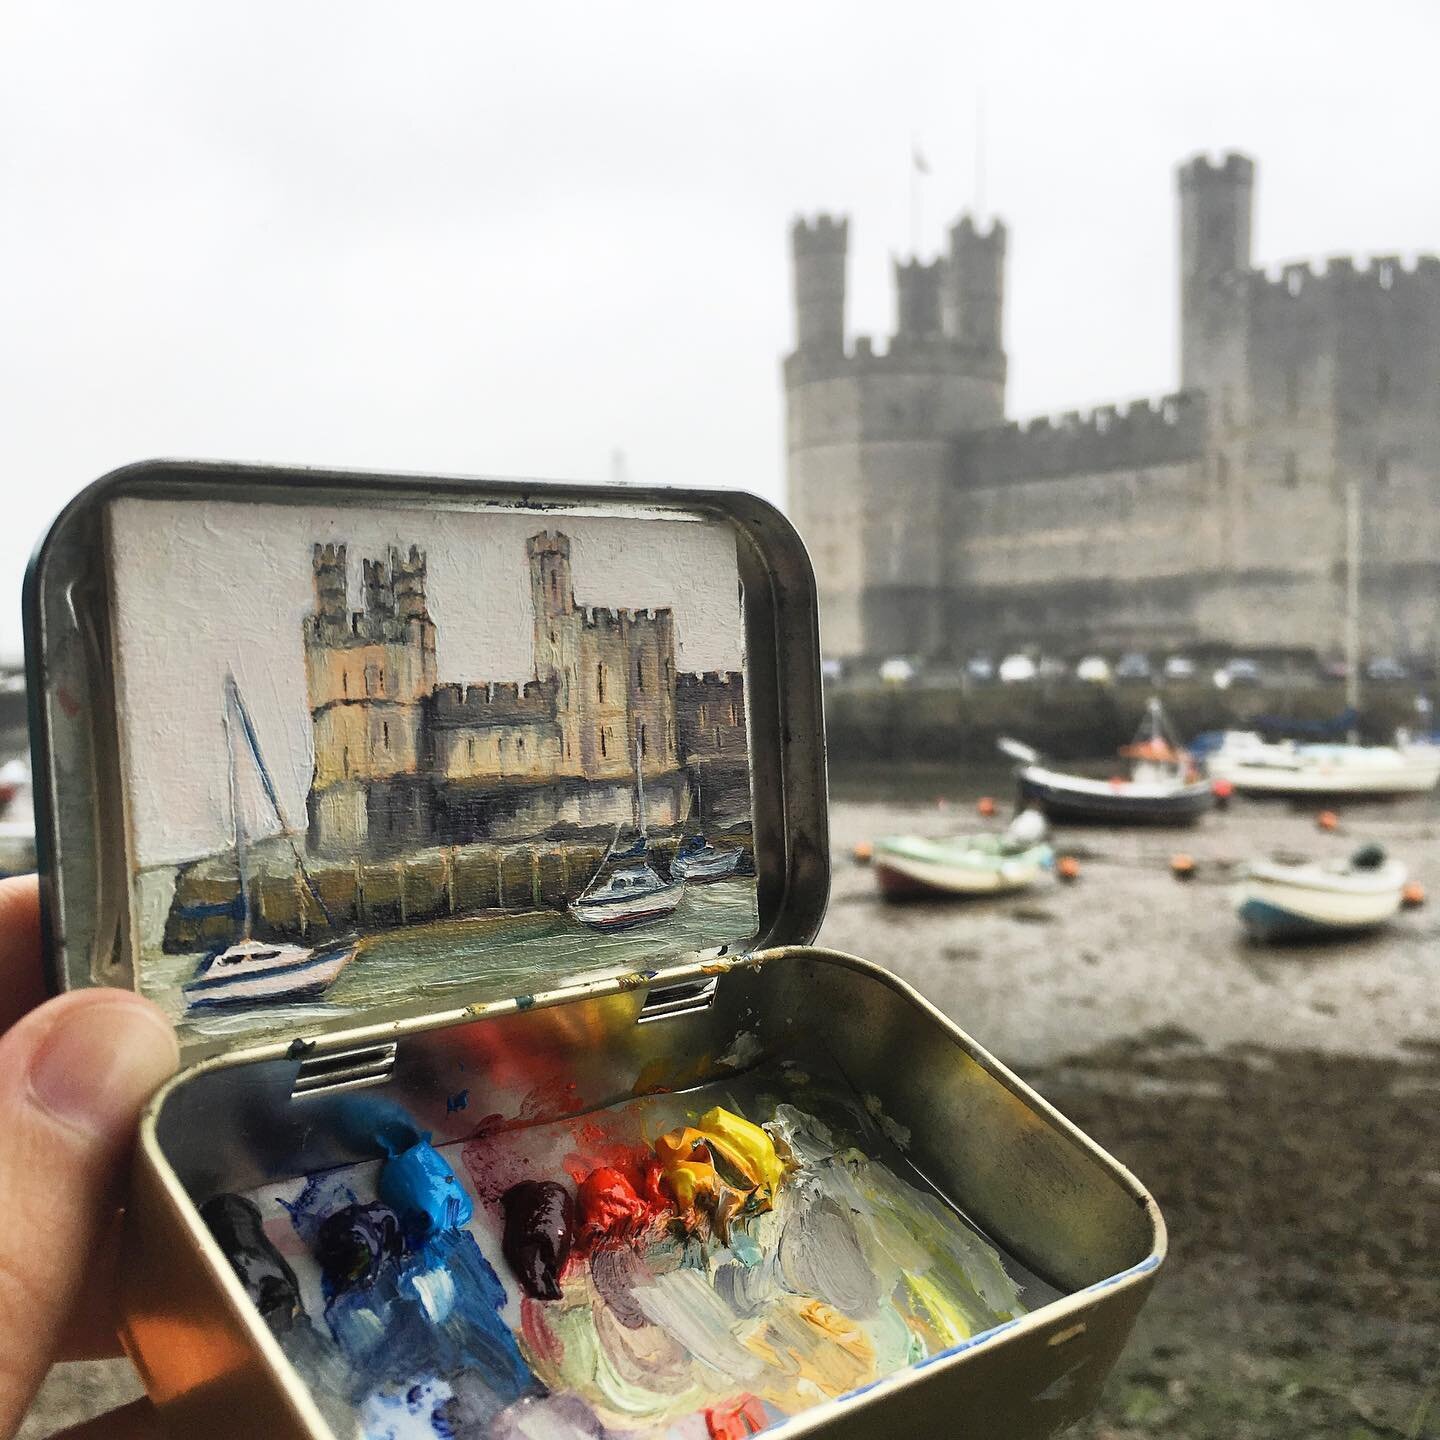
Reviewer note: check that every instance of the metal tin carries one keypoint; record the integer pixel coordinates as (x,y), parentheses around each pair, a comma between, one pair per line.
(261,1108)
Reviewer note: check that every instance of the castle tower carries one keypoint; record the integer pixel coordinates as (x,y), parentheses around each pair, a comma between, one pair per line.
(871,437)
(331,586)
(819,251)
(557,629)
(1216,209)
(977,285)
(918,314)
(368,676)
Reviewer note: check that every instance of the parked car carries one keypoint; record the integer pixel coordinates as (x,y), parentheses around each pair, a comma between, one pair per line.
(980,668)
(1093,670)
(1017,670)
(1132,666)
(897,670)
(1386,667)
(1179,667)
(1237,671)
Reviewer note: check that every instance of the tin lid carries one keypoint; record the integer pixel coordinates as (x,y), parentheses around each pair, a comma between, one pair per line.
(314,747)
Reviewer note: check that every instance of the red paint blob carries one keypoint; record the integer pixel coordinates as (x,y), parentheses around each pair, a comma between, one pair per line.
(736,1419)
(610,1207)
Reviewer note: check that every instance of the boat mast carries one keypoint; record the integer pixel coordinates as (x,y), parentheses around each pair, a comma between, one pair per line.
(640,789)
(1352,602)
(232,696)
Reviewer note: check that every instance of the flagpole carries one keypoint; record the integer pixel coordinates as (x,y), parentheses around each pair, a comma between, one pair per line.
(914,197)
(980,156)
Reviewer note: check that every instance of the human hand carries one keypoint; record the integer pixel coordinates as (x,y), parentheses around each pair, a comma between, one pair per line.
(75,1072)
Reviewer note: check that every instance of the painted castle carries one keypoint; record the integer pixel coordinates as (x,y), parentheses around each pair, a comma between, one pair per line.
(403,760)
(1213,517)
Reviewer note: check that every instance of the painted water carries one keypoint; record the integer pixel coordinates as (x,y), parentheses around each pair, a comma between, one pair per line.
(658,1268)
(489,956)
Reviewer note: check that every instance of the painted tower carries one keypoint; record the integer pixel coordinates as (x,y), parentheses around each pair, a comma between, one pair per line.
(870,431)
(368,674)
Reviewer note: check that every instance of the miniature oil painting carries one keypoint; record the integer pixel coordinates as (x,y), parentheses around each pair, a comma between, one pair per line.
(374,755)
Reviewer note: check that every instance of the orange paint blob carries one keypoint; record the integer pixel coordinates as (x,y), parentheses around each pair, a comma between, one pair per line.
(736,1419)
(609,1208)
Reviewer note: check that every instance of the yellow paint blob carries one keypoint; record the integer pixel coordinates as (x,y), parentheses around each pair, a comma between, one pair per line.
(744,1181)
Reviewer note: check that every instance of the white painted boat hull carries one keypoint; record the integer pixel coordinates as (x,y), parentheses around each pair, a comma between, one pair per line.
(1374,772)
(1296,902)
(309,975)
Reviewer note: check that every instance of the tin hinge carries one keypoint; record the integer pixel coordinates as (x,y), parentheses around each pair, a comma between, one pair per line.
(345,1070)
(685,998)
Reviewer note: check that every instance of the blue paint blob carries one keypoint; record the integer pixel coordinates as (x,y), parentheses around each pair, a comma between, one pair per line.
(460,1100)
(419,1185)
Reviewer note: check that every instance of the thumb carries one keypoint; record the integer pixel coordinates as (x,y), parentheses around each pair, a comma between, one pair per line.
(74,1075)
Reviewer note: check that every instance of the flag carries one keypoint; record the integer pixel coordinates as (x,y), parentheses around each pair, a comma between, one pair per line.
(922,165)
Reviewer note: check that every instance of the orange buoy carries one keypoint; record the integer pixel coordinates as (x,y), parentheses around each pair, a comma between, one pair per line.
(1067,867)
(985,805)
(1182,866)
(862,852)
(1413,895)
(1327,820)
(1223,791)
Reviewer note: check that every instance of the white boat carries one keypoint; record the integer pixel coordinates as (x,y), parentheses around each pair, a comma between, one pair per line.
(1277,901)
(251,970)
(627,889)
(907,865)
(700,862)
(1258,767)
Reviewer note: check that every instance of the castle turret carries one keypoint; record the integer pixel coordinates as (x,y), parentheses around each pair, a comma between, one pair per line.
(407,576)
(1216,208)
(918,311)
(331,586)
(819,249)
(558,627)
(977,285)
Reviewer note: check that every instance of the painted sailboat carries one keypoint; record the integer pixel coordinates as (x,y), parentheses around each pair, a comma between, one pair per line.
(1277,901)
(251,971)
(627,890)
(700,862)
(1161,788)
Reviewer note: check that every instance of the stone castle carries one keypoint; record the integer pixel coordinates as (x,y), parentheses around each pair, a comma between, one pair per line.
(1209,519)
(403,761)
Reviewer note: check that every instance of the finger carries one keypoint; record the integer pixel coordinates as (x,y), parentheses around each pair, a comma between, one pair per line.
(131,1422)
(22,974)
(74,1075)
(92,1331)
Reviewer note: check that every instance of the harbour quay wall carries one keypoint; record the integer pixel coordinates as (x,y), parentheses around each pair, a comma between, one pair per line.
(381,894)
(1069,720)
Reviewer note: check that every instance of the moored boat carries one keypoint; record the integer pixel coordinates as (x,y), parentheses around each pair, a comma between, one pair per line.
(908,865)
(1161,789)
(1278,901)
(251,970)
(1254,766)
(702,863)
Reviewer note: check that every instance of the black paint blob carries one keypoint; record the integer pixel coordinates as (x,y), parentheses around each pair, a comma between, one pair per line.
(353,1243)
(268,1280)
(539,1229)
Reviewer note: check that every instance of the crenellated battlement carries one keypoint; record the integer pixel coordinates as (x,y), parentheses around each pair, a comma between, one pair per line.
(965,231)
(1166,431)
(822,235)
(604,617)
(696,681)
(1232,167)
(1402,275)
(933,354)
(494,703)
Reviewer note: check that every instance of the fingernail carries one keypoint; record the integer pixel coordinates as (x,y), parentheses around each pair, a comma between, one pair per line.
(98,1066)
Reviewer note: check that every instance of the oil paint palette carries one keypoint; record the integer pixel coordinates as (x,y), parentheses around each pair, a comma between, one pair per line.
(695,1265)
(376,754)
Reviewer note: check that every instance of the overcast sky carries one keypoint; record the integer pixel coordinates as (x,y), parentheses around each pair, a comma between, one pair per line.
(513,239)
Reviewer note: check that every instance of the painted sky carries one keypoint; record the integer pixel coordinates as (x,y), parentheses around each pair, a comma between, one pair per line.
(496,239)
(206,587)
